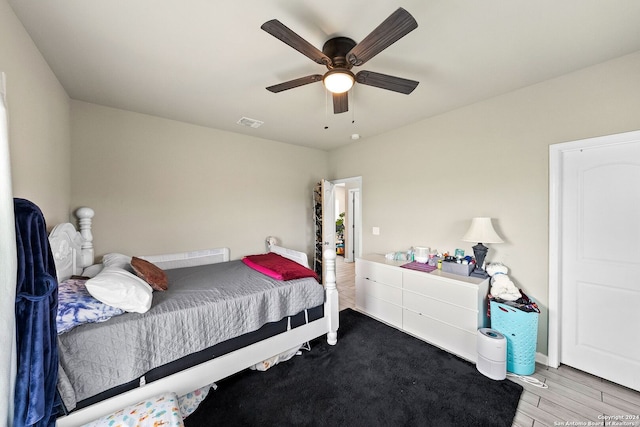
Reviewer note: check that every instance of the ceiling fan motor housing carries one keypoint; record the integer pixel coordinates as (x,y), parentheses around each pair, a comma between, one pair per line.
(337,49)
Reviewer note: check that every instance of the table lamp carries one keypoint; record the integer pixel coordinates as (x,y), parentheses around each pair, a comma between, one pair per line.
(481,230)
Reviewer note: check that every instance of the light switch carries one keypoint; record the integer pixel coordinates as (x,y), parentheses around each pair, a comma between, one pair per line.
(376,231)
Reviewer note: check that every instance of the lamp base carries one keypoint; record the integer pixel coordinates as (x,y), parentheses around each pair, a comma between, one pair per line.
(479,253)
(479,272)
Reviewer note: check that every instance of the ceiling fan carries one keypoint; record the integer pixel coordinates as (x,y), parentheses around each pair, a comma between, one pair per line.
(340,54)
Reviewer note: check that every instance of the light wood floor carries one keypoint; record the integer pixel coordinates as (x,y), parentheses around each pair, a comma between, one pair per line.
(573,397)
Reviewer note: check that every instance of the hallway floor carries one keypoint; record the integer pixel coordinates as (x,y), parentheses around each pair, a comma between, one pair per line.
(346,282)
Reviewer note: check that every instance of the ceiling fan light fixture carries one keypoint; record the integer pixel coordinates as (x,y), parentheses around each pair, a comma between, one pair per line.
(338,80)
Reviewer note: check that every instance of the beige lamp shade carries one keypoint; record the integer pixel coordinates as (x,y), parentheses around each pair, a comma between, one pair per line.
(481,230)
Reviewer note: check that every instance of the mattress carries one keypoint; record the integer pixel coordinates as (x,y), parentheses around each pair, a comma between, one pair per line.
(204,306)
(267,331)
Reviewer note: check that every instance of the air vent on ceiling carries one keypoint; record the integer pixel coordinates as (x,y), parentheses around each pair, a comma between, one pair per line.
(252,123)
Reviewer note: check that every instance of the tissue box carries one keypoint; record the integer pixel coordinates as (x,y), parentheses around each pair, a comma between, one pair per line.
(455,268)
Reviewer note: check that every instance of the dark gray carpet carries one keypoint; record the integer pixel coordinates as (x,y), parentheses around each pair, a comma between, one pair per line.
(375,376)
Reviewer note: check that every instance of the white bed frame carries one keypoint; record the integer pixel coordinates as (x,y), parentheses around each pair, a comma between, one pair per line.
(73,251)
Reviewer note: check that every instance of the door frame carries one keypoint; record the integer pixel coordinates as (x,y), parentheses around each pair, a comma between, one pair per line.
(556,161)
(354,183)
(353,200)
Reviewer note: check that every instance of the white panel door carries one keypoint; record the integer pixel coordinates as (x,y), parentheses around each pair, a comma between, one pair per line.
(328,221)
(600,254)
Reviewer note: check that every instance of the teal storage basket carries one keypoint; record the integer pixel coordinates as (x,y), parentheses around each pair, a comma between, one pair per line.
(520,328)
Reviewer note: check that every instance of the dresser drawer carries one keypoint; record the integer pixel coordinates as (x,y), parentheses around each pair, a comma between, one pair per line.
(378,290)
(462,294)
(458,341)
(379,273)
(454,315)
(378,308)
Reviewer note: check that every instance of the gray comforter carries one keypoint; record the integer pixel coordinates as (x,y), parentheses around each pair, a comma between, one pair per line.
(203,306)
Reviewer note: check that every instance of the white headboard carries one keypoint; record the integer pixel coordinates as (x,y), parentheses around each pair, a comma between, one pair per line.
(73,250)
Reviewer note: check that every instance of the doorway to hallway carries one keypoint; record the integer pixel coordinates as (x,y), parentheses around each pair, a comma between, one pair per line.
(347,199)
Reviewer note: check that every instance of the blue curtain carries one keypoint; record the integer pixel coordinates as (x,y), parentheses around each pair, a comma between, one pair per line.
(36,306)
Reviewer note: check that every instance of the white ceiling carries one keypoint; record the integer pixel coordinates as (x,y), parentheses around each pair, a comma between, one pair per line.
(208,62)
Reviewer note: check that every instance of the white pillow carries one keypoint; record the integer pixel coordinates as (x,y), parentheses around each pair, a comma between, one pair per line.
(117,260)
(119,288)
(92,270)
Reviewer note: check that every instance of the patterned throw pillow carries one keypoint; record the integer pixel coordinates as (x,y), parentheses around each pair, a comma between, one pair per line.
(161,410)
(190,401)
(76,306)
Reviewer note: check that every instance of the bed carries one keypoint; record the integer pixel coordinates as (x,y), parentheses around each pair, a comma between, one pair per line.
(172,347)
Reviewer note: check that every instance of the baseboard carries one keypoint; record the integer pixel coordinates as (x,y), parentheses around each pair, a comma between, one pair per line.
(543,359)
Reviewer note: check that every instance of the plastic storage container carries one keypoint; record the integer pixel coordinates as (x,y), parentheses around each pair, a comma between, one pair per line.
(455,268)
(520,328)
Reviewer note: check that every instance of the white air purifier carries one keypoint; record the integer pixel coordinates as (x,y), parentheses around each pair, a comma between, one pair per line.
(492,354)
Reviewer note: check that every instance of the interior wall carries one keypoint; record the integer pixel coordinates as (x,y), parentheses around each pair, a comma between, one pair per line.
(423,183)
(161,186)
(34,165)
(340,196)
(39,123)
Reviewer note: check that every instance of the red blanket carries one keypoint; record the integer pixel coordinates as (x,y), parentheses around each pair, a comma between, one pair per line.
(278,267)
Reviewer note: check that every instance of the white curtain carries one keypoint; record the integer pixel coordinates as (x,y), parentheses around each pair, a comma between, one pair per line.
(8,268)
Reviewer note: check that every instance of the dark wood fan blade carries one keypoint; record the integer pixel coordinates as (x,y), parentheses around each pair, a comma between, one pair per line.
(280,31)
(295,83)
(340,102)
(392,29)
(384,81)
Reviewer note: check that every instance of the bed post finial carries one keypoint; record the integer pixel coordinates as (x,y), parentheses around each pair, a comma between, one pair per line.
(332,303)
(85,218)
(270,241)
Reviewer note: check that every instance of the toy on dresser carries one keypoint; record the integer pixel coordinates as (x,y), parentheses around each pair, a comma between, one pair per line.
(501,285)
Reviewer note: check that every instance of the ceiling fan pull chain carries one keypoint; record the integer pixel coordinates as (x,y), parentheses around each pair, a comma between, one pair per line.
(353,102)
(326,109)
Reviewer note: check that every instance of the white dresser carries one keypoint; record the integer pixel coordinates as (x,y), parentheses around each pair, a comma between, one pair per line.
(441,308)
